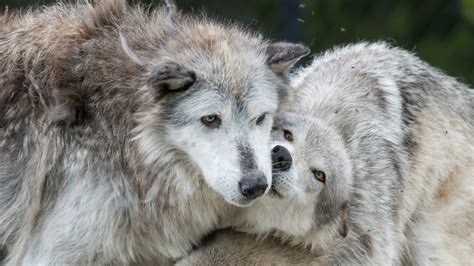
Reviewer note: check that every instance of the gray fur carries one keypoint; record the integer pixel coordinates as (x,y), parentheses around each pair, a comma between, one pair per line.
(95,168)
(395,137)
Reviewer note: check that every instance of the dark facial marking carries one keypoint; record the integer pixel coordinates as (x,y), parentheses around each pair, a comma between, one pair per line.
(247,160)
(344,226)
(366,241)
(171,112)
(326,211)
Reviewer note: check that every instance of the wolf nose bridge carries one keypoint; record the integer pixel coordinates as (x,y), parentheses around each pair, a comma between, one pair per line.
(253,186)
(281,158)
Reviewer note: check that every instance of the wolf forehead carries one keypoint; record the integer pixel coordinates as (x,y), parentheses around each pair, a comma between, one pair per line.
(223,59)
(226,74)
(227,67)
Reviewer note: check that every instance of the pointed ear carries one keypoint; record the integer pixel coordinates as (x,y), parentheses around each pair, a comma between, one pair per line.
(283,55)
(168,77)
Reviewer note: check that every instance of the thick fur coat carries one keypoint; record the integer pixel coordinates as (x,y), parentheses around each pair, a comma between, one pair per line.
(113,125)
(394,138)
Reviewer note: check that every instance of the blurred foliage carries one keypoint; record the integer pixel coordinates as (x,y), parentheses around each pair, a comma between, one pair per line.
(439,31)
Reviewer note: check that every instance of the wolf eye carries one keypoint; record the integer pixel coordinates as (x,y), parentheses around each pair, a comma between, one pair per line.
(288,135)
(212,121)
(261,119)
(320,176)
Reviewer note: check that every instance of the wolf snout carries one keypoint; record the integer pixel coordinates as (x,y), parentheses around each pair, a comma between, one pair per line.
(281,158)
(253,186)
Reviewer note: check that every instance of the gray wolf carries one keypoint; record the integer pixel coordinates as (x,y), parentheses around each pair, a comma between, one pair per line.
(374,165)
(126,134)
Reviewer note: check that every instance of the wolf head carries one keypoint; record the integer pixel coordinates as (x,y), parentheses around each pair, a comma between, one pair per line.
(311,169)
(312,175)
(213,93)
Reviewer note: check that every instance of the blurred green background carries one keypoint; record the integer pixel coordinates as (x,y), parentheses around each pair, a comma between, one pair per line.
(439,31)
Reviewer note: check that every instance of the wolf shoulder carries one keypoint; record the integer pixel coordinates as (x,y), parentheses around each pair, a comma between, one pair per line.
(380,62)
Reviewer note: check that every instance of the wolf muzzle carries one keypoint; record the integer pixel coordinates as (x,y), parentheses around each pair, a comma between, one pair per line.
(281,158)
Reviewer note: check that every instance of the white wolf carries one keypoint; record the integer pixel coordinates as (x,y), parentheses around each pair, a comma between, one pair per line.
(374,164)
(117,152)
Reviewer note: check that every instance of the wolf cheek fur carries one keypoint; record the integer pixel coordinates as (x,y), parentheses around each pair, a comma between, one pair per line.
(408,132)
(137,176)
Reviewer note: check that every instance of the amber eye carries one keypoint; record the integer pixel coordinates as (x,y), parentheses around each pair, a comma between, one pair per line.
(288,135)
(320,176)
(212,121)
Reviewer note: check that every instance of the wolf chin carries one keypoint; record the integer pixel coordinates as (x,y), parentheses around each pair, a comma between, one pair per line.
(126,134)
(381,173)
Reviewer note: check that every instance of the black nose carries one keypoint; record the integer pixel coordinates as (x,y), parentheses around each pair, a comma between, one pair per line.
(281,158)
(253,186)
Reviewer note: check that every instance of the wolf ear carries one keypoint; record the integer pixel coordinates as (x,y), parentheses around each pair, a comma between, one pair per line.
(168,77)
(283,55)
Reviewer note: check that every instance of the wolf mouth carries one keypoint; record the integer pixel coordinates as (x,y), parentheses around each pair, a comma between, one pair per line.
(273,192)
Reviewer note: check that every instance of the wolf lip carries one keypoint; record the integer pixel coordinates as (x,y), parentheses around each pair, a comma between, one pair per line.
(274,192)
(242,202)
